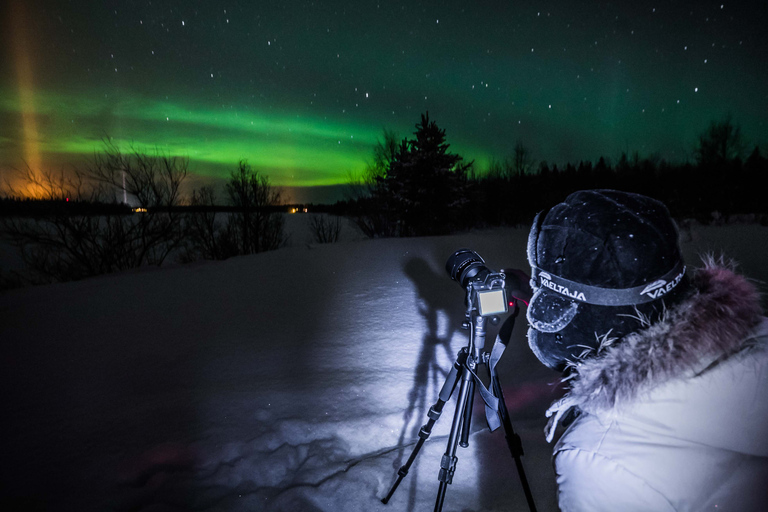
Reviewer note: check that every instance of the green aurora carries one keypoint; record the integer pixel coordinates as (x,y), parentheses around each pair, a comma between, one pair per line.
(297,151)
(303,90)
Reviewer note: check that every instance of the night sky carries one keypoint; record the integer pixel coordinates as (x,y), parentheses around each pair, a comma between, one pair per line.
(302,90)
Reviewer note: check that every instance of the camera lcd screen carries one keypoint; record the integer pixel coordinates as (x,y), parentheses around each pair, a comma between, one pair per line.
(492,302)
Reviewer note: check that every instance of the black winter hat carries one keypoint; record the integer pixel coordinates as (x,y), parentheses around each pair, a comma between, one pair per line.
(598,259)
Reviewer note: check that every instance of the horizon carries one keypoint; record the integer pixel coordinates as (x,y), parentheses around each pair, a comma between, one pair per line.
(304,91)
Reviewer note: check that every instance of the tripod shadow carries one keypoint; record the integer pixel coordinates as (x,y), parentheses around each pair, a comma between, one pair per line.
(435,302)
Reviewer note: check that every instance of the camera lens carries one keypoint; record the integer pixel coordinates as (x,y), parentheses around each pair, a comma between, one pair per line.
(465,265)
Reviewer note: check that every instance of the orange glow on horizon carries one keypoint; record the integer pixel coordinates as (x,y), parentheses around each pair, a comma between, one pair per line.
(19,45)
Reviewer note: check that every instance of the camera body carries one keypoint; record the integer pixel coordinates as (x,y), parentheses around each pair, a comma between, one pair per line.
(485,288)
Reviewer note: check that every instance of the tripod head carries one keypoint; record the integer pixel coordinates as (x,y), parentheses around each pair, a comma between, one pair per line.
(486,295)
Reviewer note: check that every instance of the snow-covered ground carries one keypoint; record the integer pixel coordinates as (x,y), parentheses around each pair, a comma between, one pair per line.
(294,380)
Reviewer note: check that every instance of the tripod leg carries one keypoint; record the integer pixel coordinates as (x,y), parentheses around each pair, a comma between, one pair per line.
(465,430)
(513,442)
(448,462)
(434,414)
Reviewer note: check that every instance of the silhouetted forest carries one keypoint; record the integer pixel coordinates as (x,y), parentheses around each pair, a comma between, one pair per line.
(412,187)
(699,191)
(415,181)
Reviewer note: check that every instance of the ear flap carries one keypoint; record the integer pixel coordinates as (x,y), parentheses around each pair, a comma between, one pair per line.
(547,311)
(533,238)
(550,312)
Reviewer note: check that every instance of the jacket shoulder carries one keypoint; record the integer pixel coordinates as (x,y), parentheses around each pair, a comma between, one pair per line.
(588,480)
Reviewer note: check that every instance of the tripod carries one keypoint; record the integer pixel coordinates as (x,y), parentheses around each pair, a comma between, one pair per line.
(463,372)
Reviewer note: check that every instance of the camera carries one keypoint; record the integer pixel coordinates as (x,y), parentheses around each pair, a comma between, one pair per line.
(485,288)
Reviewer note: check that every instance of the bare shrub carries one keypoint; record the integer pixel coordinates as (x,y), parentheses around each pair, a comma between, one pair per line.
(81,230)
(326,229)
(208,234)
(256,224)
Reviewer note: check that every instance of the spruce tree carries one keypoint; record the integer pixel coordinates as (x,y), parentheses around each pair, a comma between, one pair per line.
(424,188)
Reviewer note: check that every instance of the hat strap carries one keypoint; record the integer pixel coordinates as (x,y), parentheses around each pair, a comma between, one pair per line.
(610,296)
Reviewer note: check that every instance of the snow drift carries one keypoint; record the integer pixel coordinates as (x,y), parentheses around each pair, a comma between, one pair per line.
(294,380)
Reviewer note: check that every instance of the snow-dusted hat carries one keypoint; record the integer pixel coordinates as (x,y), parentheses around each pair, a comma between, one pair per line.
(597,259)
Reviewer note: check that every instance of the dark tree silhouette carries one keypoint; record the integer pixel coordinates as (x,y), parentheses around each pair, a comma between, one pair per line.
(83,231)
(384,153)
(522,160)
(424,188)
(255,223)
(209,234)
(370,207)
(325,228)
(720,143)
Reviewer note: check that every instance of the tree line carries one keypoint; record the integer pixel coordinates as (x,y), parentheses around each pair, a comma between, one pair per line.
(82,224)
(416,187)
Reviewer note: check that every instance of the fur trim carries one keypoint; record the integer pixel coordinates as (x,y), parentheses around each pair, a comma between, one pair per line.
(711,324)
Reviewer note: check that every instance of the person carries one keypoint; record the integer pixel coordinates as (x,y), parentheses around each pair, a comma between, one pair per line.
(666,405)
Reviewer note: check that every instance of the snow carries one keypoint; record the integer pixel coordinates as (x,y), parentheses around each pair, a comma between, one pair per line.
(294,380)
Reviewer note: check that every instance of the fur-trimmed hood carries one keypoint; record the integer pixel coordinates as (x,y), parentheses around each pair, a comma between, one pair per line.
(707,327)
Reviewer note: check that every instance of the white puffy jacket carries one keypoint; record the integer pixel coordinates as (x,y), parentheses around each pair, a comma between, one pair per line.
(674,417)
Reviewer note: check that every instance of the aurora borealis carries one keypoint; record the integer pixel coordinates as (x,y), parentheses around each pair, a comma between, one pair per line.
(303,89)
